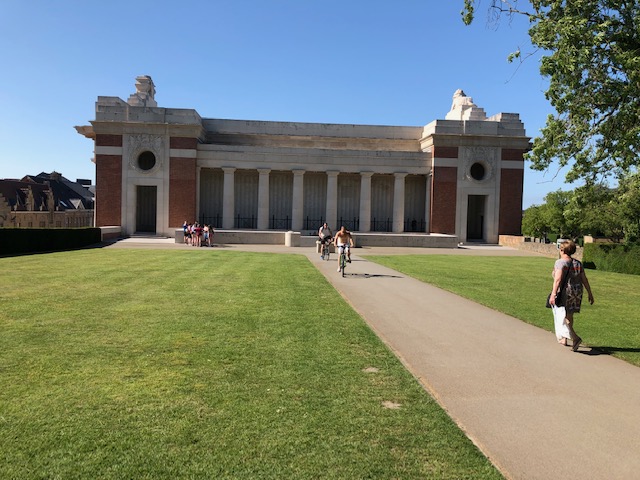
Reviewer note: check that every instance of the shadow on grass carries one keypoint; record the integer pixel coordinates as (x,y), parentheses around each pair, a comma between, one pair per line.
(46,252)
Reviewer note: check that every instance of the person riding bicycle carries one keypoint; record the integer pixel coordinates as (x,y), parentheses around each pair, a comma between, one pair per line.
(325,235)
(344,242)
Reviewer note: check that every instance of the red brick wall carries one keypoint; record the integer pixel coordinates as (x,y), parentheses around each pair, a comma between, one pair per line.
(511,181)
(183,142)
(445,152)
(108,140)
(182,190)
(108,190)
(443,200)
(511,186)
(512,154)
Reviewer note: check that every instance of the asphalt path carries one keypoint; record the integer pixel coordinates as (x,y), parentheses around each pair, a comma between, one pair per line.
(536,409)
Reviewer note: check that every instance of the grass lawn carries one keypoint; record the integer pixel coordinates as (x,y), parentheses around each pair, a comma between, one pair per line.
(518,286)
(153,364)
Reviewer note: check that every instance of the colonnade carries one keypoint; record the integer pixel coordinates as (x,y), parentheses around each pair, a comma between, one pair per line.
(330,207)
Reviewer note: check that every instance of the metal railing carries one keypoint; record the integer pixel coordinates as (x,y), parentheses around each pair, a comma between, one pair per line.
(413,225)
(381,225)
(313,223)
(377,225)
(246,222)
(215,221)
(280,223)
(351,225)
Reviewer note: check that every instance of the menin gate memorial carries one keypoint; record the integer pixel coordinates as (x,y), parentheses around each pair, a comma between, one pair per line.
(157,167)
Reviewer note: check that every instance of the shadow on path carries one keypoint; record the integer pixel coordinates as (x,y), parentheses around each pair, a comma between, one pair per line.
(602,350)
(371,275)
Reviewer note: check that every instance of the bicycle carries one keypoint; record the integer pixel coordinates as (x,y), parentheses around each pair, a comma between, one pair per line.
(326,250)
(343,258)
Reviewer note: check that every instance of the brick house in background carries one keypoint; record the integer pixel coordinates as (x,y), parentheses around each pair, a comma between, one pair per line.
(47,200)
(157,167)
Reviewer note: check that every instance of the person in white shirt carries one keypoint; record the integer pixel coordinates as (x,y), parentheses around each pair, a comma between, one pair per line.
(325,235)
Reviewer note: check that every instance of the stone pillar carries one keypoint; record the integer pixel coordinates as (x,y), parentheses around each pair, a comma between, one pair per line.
(427,204)
(365,201)
(332,199)
(398,202)
(228,199)
(263,198)
(298,200)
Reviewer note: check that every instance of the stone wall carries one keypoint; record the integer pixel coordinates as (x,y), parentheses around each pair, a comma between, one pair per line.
(536,245)
(110,233)
(46,219)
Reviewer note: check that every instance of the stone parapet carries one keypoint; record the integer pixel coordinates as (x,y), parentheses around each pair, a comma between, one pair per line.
(530,244)
(295,239)
(110,232)
(407,240)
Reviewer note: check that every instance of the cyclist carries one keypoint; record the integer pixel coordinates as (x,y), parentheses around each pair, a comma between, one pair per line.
(344,242)
(325,235)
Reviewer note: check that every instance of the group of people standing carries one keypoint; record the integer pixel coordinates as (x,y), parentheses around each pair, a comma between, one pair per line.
(197,235)
(342,240)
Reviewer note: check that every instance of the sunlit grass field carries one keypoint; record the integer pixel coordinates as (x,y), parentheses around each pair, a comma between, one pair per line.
(167,364)
(518,286)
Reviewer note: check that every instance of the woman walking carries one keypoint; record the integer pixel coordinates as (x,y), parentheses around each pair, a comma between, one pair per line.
(571,295)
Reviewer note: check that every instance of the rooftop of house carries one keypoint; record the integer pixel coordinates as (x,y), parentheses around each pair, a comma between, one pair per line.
(45,191)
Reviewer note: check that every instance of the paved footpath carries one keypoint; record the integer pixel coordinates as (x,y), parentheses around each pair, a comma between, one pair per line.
(535,409)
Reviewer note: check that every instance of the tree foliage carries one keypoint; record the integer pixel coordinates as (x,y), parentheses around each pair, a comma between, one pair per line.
(591,55)
(556,205)
(534,222)
(627,201)
(593,210)
(596,210)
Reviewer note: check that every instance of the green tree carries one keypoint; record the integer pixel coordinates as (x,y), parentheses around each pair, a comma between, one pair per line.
(594,210)
(554,214)
(628,203)
(591,55)
(533,222)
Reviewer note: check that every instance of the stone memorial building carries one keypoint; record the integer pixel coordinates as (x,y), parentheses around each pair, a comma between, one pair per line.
(158,167)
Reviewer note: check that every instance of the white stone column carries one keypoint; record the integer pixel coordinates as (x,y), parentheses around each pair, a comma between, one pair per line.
(228,198)
(332,199)
(298,200)
(263,198)
(427,206)
(398,202)
(365,201)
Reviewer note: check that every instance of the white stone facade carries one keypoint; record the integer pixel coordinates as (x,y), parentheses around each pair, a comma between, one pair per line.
(157,167)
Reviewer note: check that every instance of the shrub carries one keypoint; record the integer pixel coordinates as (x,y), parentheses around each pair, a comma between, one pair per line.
(619,258)
(34,240)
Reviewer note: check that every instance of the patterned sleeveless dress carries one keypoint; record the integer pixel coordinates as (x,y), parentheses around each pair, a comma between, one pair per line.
(572,295)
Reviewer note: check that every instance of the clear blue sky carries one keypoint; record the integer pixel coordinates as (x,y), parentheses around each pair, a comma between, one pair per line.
(331,61)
